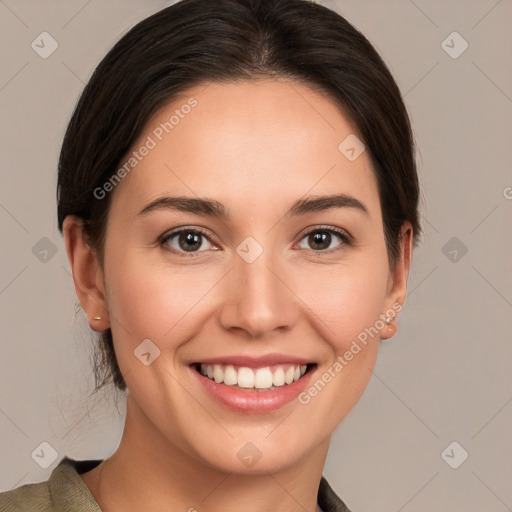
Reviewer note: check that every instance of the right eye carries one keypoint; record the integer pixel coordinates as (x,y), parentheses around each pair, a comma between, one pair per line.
(186,240)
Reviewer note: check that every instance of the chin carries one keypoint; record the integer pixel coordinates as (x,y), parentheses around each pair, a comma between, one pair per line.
(258,457)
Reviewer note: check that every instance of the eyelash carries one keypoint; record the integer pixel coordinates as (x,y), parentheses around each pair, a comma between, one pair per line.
(345,238)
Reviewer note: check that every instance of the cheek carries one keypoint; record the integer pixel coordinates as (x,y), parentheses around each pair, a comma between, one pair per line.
(152,300)
(347,299)
(347,303)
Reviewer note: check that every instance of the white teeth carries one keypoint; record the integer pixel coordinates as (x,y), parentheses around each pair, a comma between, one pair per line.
(245,377)
(218,373)
(278,377)
(230,376)
(261,378)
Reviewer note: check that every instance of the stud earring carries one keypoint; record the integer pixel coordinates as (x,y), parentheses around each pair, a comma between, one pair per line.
(389,320)
(97,318)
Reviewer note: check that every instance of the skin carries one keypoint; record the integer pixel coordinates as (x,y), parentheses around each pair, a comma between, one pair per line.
(179,446)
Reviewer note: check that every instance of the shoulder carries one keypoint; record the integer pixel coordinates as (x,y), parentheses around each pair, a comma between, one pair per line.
(63,491)
(28,497)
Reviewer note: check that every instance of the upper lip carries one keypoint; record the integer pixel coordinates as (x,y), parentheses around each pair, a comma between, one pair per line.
(254,361)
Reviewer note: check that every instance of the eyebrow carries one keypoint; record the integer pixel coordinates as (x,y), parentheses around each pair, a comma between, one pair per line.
(215,209)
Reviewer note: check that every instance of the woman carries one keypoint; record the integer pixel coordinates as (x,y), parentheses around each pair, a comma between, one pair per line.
(238,197)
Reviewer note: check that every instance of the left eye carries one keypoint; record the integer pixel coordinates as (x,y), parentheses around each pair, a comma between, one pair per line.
(322,239)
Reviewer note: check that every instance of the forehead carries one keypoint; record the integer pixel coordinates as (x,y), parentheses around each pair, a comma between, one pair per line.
(247,141)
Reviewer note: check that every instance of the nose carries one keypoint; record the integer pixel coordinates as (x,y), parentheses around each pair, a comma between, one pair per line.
(259,299)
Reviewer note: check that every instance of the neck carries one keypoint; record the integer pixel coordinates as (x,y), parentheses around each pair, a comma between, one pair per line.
(149,473)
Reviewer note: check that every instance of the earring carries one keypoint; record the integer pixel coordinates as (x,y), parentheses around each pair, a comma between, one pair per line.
(97,318)
(389,320)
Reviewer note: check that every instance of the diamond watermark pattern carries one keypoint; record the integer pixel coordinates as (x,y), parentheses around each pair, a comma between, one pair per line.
(44,455)
(44,45)
(351,147)
(454,249)
(454,455)
(249,250)
(146,352)
(454,45)
(44,250)
(249,454)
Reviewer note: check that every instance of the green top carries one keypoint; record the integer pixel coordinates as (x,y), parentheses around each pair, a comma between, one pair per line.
(65,491)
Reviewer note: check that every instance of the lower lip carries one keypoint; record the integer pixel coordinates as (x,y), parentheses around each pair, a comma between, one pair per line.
(254,401)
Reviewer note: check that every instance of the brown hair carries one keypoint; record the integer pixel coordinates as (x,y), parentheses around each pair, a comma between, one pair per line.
(195,41)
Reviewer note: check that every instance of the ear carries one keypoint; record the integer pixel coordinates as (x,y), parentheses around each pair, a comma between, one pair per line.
(397,283)
(87,273)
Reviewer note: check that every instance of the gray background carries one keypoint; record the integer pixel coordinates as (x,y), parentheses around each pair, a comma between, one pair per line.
(444,377)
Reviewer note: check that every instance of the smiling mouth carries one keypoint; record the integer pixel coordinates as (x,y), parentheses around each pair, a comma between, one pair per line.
(266,378)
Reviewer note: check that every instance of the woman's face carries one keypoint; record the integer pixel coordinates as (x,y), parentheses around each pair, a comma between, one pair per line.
(258,279)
